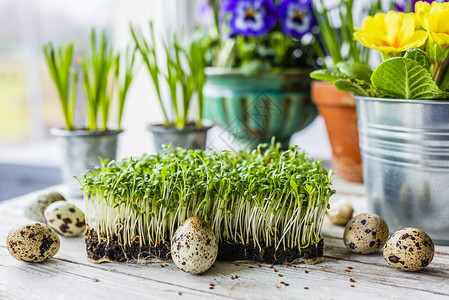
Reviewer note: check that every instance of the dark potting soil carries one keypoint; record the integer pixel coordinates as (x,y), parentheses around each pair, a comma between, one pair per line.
(113,251)
(232,252)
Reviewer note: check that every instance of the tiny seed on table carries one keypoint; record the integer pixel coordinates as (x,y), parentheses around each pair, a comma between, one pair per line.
(236,277)
(352,285)
(282,282)
(280,275)
(350,268)
(286,284)
(211,284)
(306,288)
(275,270)
(211,288)
(179,293)
(271,266)
(351,280)
(250,267)
(96,280)
(347,271)
(305,271)
(259,265)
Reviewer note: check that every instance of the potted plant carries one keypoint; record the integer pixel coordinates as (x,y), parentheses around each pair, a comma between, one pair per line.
(337,108)
(260,55)
(104,74)
(403,114)
(182,71)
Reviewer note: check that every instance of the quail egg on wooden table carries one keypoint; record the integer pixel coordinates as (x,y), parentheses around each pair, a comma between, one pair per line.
(194,246)
(35,210)
(65,218)
(340,212)
(32,242)
(365,233)
(409,249)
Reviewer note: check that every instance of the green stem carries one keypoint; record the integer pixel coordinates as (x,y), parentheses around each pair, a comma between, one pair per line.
(437,72)
(385,56)
(200,110)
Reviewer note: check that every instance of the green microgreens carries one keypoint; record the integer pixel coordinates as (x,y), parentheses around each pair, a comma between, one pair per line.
(263,198)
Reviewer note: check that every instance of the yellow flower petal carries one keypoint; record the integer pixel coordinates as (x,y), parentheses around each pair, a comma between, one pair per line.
(422,10)
(441,38)
(435,19)
(442,22)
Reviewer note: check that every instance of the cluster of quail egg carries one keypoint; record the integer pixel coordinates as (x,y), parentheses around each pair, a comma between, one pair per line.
(408,249)
(38,240)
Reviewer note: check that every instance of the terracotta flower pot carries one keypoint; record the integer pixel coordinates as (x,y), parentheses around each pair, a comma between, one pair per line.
(339,112)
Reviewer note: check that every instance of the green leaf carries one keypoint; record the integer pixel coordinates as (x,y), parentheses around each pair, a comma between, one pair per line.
(417,55)
(355,70)
(349,86)
(254,67)
(436,53)
(406,79)
(294,185)
(327,75)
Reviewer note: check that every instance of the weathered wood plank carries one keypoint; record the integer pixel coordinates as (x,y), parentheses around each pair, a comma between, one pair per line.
(60,279)
(125,280)
(70,274)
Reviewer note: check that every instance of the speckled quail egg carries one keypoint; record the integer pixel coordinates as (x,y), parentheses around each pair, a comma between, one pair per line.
(35,210)
(65,218)
(32,242)
(194,246)
(409,249)
(365,233)
(340,212)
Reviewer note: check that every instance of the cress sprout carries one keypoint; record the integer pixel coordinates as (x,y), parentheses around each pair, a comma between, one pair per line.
(265,198)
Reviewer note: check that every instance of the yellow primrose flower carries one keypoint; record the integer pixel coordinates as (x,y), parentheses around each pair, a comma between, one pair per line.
(435,19)
(392,32)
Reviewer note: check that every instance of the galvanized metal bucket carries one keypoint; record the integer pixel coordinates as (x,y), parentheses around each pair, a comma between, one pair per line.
(405,154)
(82,150)
(188,138)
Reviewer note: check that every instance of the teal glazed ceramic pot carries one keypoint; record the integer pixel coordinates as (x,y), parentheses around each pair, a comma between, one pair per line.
(255,109)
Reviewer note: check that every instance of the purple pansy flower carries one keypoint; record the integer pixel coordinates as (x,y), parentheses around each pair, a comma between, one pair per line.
(297,18)
(401,5)
(251,17)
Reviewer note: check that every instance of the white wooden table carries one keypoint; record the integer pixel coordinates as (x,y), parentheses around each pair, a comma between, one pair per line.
(70,276)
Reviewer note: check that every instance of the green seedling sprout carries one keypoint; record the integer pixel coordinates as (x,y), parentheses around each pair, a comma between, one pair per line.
(98,80)
(182,70)
(124,75)
(59,62)
(104,75)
